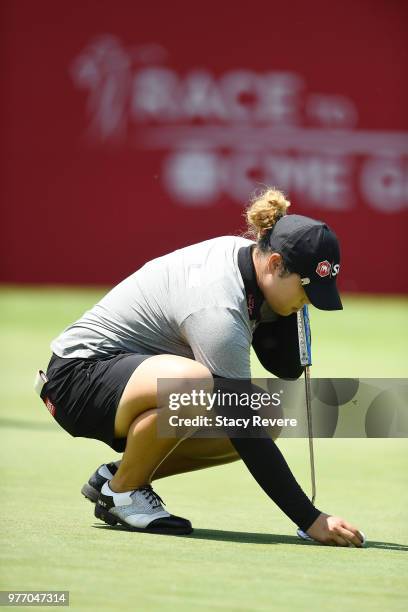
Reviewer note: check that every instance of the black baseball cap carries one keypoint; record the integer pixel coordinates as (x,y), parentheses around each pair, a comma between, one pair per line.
(310,248)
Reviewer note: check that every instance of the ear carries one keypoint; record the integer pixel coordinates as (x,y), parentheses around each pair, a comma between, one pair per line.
(274,263)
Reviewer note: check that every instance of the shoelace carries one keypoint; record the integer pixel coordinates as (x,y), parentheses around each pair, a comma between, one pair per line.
(152,497)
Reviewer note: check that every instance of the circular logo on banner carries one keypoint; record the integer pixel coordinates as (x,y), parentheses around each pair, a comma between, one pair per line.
(323,268)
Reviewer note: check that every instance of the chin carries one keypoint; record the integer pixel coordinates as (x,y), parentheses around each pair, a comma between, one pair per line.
(284,313)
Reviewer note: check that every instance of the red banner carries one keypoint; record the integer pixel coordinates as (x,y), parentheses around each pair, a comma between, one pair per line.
(130,130)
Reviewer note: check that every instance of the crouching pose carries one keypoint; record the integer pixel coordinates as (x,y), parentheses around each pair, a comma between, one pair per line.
(194,314)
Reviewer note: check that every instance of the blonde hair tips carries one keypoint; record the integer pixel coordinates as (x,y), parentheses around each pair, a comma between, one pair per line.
(264,210)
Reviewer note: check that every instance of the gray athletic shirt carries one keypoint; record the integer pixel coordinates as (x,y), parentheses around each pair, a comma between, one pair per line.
(190,302)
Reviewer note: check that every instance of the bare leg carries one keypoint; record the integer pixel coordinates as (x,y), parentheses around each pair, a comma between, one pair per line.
(144,451)
(196,454)
(136,418)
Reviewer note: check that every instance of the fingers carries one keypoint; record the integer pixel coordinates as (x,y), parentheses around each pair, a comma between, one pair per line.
(338,540)
(344,540)
(343,533)
(352,534)
(350,538)
(346,537)
(334,531)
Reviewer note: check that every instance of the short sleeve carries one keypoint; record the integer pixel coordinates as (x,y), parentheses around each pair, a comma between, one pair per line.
(221,340)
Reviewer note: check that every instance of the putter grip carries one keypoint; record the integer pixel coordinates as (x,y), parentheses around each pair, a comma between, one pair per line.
(304,336)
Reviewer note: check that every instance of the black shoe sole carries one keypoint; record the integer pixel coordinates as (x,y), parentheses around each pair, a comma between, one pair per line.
(110,519)
(90,492)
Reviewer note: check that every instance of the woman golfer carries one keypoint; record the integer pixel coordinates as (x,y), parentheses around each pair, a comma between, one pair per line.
(193,315)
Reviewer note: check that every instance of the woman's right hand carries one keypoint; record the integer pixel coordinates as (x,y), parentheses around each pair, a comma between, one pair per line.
(334,531)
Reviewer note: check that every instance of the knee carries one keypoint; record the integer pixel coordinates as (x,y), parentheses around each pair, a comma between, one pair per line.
(184,376)
(184,370)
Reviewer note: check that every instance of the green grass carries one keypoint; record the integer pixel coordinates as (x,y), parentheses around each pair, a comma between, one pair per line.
(244,554)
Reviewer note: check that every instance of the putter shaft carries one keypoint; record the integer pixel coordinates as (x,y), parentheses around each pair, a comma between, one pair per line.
(310,430)
(305,353)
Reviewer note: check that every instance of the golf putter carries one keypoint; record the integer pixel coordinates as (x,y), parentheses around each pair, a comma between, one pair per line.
(305,353)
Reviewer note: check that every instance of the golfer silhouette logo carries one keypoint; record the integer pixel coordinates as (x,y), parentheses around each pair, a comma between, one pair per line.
(104,68)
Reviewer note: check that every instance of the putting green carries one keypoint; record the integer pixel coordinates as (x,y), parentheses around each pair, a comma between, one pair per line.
(244,554)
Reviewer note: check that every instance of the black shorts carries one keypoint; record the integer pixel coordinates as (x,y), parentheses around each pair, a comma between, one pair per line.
(83,394)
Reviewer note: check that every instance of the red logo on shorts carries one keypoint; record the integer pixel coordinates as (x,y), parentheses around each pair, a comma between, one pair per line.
(323,268)
(50,406)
